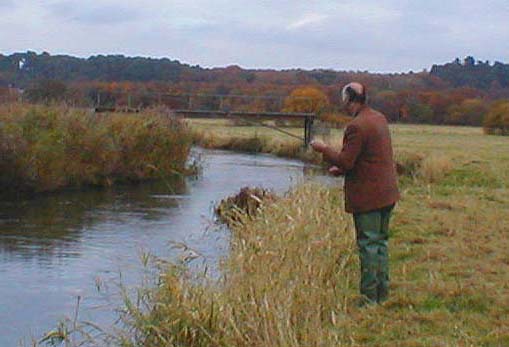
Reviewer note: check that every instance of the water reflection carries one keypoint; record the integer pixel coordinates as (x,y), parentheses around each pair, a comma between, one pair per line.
(50,226)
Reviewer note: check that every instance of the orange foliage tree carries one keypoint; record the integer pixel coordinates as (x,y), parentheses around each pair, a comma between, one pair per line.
(468,112)
(307,100)
(497,120)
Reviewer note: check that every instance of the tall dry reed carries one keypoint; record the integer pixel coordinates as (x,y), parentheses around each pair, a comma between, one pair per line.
(288,281)
(48,148)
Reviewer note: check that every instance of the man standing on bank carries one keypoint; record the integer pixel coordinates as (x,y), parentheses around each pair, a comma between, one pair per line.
(371,190)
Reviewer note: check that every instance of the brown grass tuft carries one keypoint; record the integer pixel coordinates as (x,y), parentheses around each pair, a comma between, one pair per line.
(247,202)
(433,168)
(428,168)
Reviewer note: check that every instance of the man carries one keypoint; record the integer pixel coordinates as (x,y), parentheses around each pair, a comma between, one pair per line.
(366,161)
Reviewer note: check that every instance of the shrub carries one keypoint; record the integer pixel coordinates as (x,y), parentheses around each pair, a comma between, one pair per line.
(48,148)
(496,121)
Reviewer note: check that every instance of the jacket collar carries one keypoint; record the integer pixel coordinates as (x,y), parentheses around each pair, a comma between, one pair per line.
(361,110)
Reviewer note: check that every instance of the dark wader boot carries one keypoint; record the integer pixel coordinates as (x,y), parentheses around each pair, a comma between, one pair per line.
(372,239)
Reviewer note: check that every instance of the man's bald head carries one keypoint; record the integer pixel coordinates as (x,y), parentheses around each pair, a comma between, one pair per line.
(354,92)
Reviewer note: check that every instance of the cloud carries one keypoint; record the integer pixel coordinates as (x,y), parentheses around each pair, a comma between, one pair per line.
(376,35)
(308,19)
(6,3)
(93,13)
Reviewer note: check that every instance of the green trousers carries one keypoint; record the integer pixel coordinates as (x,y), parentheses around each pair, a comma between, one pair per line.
(372,240)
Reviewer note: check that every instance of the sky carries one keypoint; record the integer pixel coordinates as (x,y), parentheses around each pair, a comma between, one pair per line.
(373,35)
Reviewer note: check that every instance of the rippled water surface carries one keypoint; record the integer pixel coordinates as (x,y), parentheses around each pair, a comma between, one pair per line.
(55,248)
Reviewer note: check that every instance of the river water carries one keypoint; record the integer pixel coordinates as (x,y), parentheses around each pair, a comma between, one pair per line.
(56,248)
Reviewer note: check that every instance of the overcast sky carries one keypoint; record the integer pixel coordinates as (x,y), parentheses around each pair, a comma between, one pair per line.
(374,35)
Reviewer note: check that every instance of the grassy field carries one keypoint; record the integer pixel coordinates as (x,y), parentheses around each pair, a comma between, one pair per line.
(291,277)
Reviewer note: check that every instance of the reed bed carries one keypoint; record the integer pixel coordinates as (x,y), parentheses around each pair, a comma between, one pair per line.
(256,143)
(289,281)
(47,148)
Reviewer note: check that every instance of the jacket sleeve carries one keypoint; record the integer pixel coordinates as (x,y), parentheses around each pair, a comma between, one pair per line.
(352,146)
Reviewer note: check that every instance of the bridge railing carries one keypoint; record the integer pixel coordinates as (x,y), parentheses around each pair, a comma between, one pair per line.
(249,108)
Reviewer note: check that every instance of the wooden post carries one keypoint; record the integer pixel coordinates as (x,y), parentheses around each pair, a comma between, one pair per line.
(308,130)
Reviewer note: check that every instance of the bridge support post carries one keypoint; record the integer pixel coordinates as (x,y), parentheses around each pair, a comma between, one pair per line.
(308,130)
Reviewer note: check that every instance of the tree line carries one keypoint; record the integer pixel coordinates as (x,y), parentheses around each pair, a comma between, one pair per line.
(459,92)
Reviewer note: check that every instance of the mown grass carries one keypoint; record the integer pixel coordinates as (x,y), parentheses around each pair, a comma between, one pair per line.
(50,148)
(291,276)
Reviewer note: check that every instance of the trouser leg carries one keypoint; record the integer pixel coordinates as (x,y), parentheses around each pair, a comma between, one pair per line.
(383,252)
(367,226)
(372,240)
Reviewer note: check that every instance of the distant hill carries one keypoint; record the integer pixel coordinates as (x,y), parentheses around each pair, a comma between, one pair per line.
(22,69)
(469,73)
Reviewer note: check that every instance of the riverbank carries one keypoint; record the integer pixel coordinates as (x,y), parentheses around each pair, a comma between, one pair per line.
(291,276)
(45,148)
(221,134)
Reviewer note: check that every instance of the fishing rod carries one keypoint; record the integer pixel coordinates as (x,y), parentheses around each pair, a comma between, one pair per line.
(228,115)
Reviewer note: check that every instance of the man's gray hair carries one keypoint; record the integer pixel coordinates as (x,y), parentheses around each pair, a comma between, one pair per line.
(354,92)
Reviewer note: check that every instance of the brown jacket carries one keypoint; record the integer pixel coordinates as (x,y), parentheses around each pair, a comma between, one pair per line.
(366,160)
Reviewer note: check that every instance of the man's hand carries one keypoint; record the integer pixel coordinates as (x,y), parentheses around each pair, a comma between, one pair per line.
(318,146)
(336,171)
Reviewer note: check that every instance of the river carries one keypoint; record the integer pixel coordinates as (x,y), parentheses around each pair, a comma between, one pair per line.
(55,248)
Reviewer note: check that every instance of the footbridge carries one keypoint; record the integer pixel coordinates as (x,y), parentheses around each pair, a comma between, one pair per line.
(251,109)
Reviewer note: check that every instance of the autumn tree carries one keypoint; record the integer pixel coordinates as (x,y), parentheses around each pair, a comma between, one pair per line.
(47,91)
(497,119)
(306,99)
(389,103)
(469,112)
(419,112)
